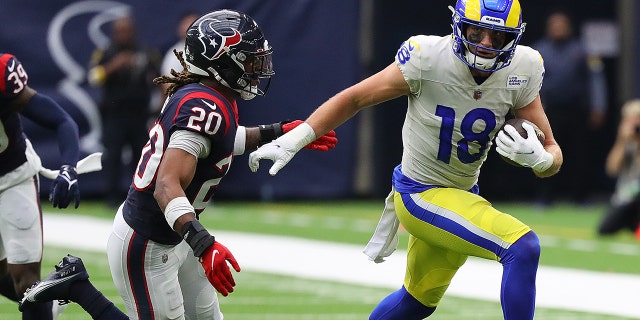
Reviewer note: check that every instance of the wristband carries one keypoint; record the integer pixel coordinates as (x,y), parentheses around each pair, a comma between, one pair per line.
(176,208)
(298,137)
(197,237)
(269,132)
(240,141)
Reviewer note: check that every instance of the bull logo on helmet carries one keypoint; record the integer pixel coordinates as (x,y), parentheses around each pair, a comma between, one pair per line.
(216,44)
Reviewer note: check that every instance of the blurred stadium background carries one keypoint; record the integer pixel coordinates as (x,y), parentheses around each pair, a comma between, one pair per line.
(320,48)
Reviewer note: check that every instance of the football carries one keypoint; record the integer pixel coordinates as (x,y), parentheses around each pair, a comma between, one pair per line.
(517,123)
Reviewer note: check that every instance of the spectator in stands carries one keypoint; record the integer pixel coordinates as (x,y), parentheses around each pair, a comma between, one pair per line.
(574,97)
(170,61)
(623,163)
(125,71)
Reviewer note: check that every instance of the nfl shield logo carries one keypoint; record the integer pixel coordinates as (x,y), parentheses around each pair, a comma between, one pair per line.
(477,94)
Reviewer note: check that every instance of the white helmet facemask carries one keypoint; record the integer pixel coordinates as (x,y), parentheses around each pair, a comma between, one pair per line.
(481,63)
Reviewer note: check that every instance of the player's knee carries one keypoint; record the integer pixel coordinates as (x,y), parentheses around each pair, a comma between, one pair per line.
(526,249)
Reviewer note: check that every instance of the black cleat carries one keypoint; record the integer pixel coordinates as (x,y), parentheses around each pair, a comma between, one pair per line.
(56,285)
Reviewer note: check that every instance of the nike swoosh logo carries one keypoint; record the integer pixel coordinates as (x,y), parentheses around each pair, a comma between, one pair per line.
(212,106)
(213,257)
(13,65)
(34,296)
(524,152)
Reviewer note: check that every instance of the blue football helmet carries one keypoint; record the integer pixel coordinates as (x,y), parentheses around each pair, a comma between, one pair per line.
(503,16)
(230,47)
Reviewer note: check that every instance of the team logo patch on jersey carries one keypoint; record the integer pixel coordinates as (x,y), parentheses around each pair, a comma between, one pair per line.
(517,81)
(404,53)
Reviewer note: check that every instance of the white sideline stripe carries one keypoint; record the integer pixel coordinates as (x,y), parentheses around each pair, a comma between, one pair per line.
(571,289)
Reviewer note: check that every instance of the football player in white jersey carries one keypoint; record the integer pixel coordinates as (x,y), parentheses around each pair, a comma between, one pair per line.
(460,88)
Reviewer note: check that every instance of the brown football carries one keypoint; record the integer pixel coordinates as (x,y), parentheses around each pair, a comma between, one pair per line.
(517,123)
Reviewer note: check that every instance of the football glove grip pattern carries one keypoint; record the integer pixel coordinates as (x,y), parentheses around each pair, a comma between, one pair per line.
(527,152)
(212,255)
(65,188)
(214,261)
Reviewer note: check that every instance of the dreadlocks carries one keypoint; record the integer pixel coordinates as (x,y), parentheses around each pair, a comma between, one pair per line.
(177,79)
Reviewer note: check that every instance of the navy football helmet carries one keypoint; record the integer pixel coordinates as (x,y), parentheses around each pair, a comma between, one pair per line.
(230,47)
(501,16)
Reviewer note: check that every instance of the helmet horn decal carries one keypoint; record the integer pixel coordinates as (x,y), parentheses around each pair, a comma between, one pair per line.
(222,43)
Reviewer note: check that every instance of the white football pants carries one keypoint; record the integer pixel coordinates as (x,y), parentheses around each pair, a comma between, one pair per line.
(159,281)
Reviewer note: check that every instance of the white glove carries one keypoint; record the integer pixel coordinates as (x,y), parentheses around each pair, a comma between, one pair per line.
(282,150)
(527,152)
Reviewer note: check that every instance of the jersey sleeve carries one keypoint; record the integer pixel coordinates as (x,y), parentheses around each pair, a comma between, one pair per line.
(536,70)
(409,59)
(12,75)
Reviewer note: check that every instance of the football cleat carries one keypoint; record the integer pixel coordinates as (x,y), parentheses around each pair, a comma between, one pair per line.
(56,285)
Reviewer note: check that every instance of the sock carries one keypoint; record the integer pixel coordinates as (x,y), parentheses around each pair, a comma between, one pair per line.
(38,311)
(400,305)
(7,289)
(520,265)
(94,302)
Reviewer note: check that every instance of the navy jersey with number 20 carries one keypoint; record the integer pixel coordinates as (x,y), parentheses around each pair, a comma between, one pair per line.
(199,109)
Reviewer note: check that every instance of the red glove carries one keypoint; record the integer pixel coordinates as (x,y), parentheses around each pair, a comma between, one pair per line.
(214,261)
(324,143)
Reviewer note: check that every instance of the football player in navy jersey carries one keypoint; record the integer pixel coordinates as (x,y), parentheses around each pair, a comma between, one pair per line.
(164,263)
(20,211)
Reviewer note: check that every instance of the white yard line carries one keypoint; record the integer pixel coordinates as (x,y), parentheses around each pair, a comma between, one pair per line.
(599,292)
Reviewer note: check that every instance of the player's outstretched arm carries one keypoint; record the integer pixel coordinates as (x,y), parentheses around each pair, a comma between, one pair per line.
(250,138)
(382,86)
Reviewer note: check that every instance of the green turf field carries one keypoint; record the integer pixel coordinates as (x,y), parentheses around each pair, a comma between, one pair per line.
(566,232)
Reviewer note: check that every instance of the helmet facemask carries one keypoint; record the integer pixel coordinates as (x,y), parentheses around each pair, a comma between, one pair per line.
(256,68)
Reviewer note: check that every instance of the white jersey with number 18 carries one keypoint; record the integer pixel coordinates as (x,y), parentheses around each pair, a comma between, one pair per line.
(451,119)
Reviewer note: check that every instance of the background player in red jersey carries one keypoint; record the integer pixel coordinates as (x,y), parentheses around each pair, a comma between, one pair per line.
(164,263)
(20,212)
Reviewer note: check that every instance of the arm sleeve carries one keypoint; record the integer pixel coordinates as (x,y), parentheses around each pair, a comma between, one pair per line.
(42,110)
(191,142)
